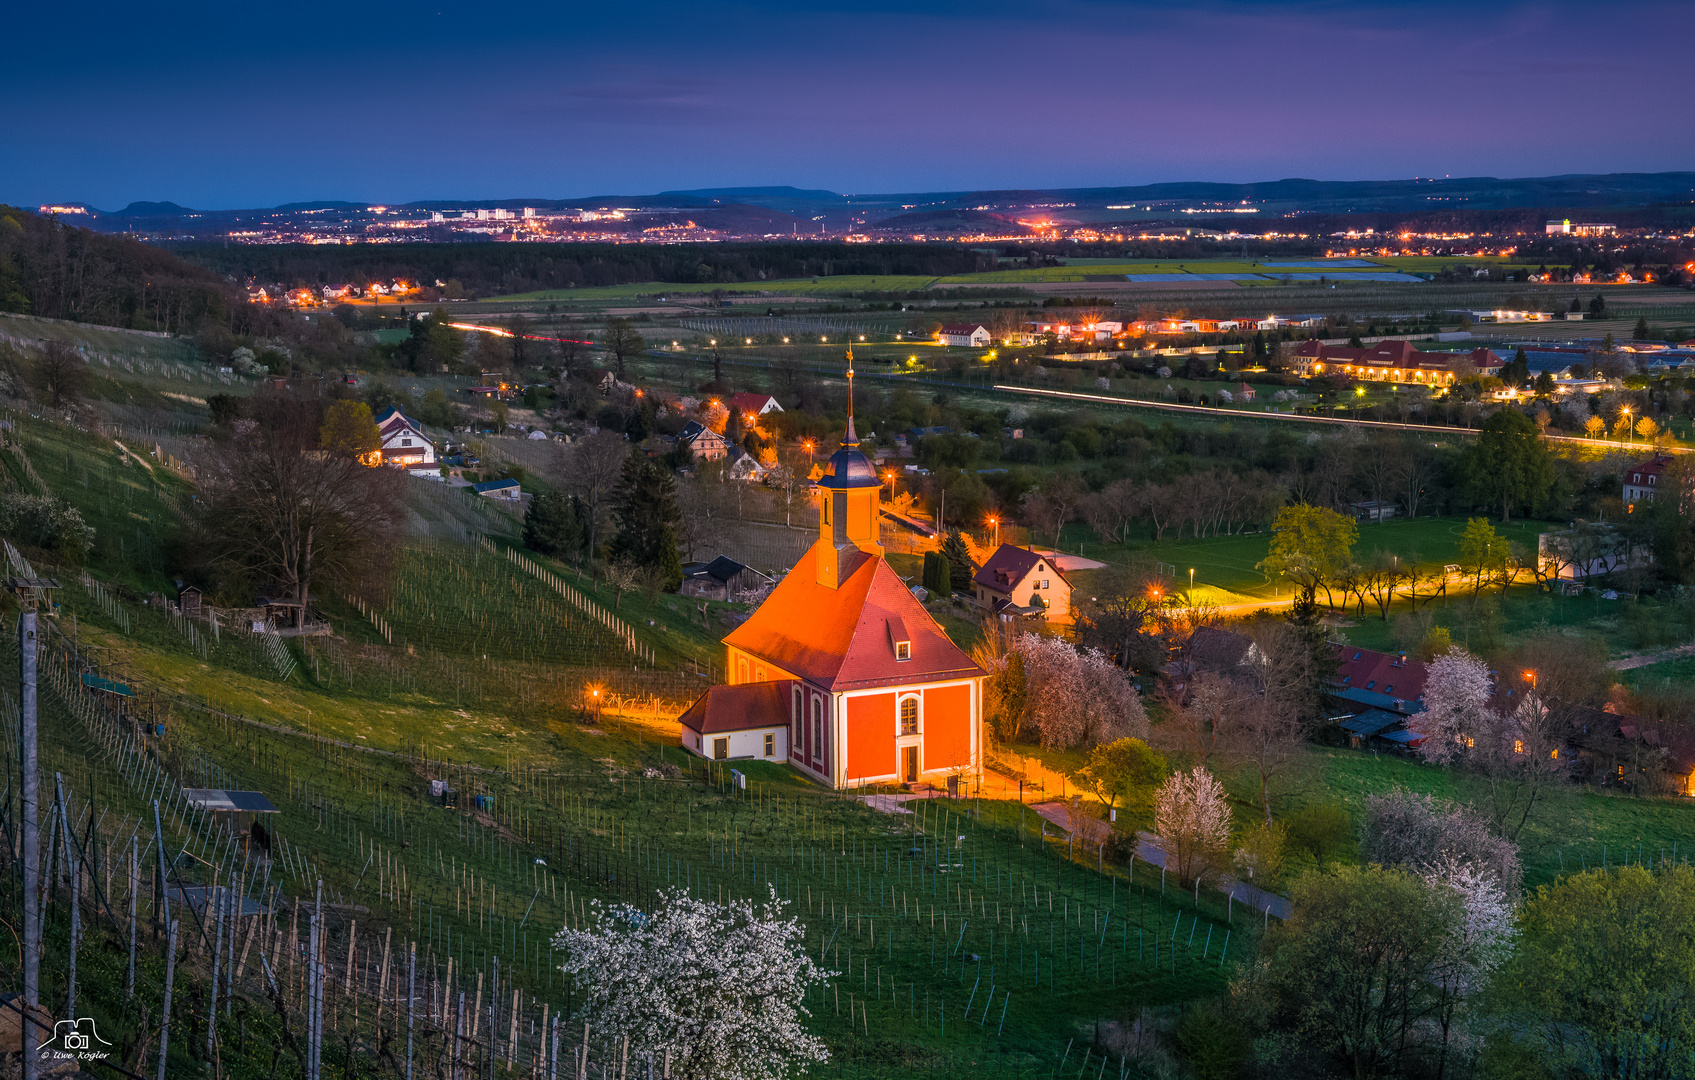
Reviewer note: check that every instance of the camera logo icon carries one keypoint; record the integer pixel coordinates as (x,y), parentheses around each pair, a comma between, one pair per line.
(78,1038)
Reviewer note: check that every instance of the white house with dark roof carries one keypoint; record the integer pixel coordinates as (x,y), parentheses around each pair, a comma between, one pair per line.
(973,335)
(403,439)
(1642,480)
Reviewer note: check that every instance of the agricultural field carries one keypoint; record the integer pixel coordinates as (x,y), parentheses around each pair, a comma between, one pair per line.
(822,286)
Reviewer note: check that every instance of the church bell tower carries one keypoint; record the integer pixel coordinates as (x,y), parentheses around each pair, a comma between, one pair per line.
(849,506)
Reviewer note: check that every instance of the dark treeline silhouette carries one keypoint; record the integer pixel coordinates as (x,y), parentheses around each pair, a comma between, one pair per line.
(486,269)
(62,272)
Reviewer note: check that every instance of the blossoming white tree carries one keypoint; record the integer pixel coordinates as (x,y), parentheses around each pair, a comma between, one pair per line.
(1192,820)
(1456,699)
(1077,695)
(719,987)
(1478,941)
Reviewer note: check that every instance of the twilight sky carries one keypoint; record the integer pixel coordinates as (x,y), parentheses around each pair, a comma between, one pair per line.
(239,105)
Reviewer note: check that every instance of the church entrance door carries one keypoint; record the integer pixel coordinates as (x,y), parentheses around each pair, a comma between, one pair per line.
(909,764)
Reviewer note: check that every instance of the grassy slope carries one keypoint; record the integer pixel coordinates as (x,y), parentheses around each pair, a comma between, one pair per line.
(1579,829)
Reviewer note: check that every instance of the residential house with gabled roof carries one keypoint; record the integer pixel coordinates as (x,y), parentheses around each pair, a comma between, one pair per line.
(404,443)
(1017,581)
(744,466)
(1378,696)
(747,403)
(974,335)
(1642,480)
(1366,679)
(867,688)
(704,443)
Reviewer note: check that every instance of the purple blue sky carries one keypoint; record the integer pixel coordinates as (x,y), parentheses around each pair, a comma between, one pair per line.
(237,105)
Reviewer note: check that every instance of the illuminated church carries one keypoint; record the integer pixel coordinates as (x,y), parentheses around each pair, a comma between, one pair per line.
(841,672)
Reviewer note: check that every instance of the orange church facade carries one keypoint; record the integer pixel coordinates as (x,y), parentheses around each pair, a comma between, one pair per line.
(841,672)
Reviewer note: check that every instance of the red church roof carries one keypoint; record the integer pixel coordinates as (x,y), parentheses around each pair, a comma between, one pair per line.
(841,639)
(739,708)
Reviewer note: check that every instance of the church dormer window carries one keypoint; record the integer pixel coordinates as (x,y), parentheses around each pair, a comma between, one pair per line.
(900,639)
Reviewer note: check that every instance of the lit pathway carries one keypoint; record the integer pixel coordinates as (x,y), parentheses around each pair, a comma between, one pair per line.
(1301,418)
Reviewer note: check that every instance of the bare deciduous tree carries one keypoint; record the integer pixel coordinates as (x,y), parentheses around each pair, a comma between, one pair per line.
(1198,731)
(60,374)
(592,468)
(1050,507)
(1111,510)
(291,516)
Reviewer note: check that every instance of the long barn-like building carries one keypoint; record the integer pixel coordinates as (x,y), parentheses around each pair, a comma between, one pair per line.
(841,672)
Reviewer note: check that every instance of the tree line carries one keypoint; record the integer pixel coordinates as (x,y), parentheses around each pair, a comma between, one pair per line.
(60,271)
(486,269)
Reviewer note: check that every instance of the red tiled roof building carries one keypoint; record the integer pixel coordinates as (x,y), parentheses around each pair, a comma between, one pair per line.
(876,692)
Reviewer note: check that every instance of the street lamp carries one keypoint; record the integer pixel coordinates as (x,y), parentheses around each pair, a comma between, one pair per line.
(995,524)
(889,475)
(1191,584)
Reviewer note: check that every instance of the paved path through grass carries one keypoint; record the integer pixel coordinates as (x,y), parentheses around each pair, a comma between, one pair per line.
(1148,850)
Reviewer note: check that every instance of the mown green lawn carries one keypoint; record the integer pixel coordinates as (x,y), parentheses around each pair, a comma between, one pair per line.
(1227,562)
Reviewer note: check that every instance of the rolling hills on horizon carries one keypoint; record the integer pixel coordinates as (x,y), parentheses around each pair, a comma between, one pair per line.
(1283,197)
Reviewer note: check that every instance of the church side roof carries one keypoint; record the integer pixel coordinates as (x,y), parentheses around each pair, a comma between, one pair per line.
(840,638)
(739,708)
